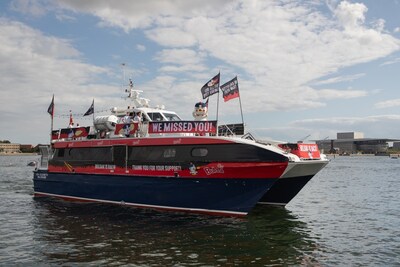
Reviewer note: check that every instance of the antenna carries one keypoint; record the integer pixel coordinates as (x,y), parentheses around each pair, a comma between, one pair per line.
(304,138)
(123,74)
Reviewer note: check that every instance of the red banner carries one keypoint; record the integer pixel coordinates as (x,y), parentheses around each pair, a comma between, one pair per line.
(70,133)
(126,128)
(183,127)
(305,151)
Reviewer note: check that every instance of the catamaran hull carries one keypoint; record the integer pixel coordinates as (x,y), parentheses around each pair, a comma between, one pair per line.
(297,175)
(230,196)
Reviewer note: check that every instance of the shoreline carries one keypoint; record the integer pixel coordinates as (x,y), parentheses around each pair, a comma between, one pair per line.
(18,154)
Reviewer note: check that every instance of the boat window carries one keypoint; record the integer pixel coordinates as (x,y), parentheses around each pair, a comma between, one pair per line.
(199,152)
(99,154)
(169,153)
(155,116)
(172,117)
(60,152)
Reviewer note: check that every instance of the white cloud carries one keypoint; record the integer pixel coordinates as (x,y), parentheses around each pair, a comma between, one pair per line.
(350,15)
(130,15)
(390,62)
(282,47)
(345,78)
(31,7)
(36,67)
(171,37)
(179,56)
(388,103)
(141,48)
(313,129)
(65,17)
(278,48)
(340,94)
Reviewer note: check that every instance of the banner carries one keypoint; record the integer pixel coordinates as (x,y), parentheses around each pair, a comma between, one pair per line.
(126,128)
(231,129)
(70,133)
(211,87)
(302,150)
(230,90)
(183,127)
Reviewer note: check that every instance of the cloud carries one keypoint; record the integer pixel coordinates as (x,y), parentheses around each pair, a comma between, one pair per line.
(171,37)
(141,48)
(388,103)
(350,15)
(281,48)
(179,56)
(140,14)
(390,62)
(278,48)
(29,7)
(380,126)
(36,66)
(339,79)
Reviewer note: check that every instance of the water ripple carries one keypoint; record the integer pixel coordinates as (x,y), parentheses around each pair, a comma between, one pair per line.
(348,215)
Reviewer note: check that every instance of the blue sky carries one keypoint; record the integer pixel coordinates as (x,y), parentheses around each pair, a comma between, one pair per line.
(305,68)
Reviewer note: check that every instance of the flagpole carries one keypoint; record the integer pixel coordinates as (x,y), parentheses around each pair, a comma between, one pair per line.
(50,110)
(51,130)
(218,100)
(93,111)
(240,103)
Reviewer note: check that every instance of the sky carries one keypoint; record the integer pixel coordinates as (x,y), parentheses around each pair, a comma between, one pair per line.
(306,69)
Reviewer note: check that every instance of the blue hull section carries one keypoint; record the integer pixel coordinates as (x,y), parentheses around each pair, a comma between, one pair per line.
(213,196)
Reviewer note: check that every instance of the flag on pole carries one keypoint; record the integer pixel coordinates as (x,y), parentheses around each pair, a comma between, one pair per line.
(50,110)
(211,87)
(90,110)
(71,120)
(230,90)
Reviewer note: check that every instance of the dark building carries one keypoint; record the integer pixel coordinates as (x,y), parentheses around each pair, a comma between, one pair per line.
(354,142)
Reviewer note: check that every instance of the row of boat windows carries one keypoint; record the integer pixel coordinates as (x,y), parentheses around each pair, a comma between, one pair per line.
(183,153)
(138,153)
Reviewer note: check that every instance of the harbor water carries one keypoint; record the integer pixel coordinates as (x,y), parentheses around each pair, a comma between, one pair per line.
(347,215)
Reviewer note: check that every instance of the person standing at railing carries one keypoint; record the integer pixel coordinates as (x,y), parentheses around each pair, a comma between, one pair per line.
(127,121)
(138,120)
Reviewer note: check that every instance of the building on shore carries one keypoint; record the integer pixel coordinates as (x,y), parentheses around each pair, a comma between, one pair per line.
(9,148)
(353,143)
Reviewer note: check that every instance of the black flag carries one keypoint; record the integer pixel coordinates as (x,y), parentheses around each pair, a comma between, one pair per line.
(50,110)
(230,89)
(211,87)
(90,110)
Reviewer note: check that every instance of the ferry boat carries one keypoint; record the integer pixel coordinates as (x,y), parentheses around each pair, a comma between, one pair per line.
(163,162)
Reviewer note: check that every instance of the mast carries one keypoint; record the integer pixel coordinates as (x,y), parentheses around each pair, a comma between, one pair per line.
(240,103)
(219,82)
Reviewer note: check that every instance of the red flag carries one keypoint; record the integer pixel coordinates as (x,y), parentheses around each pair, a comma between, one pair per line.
(50,110)
(71,120)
